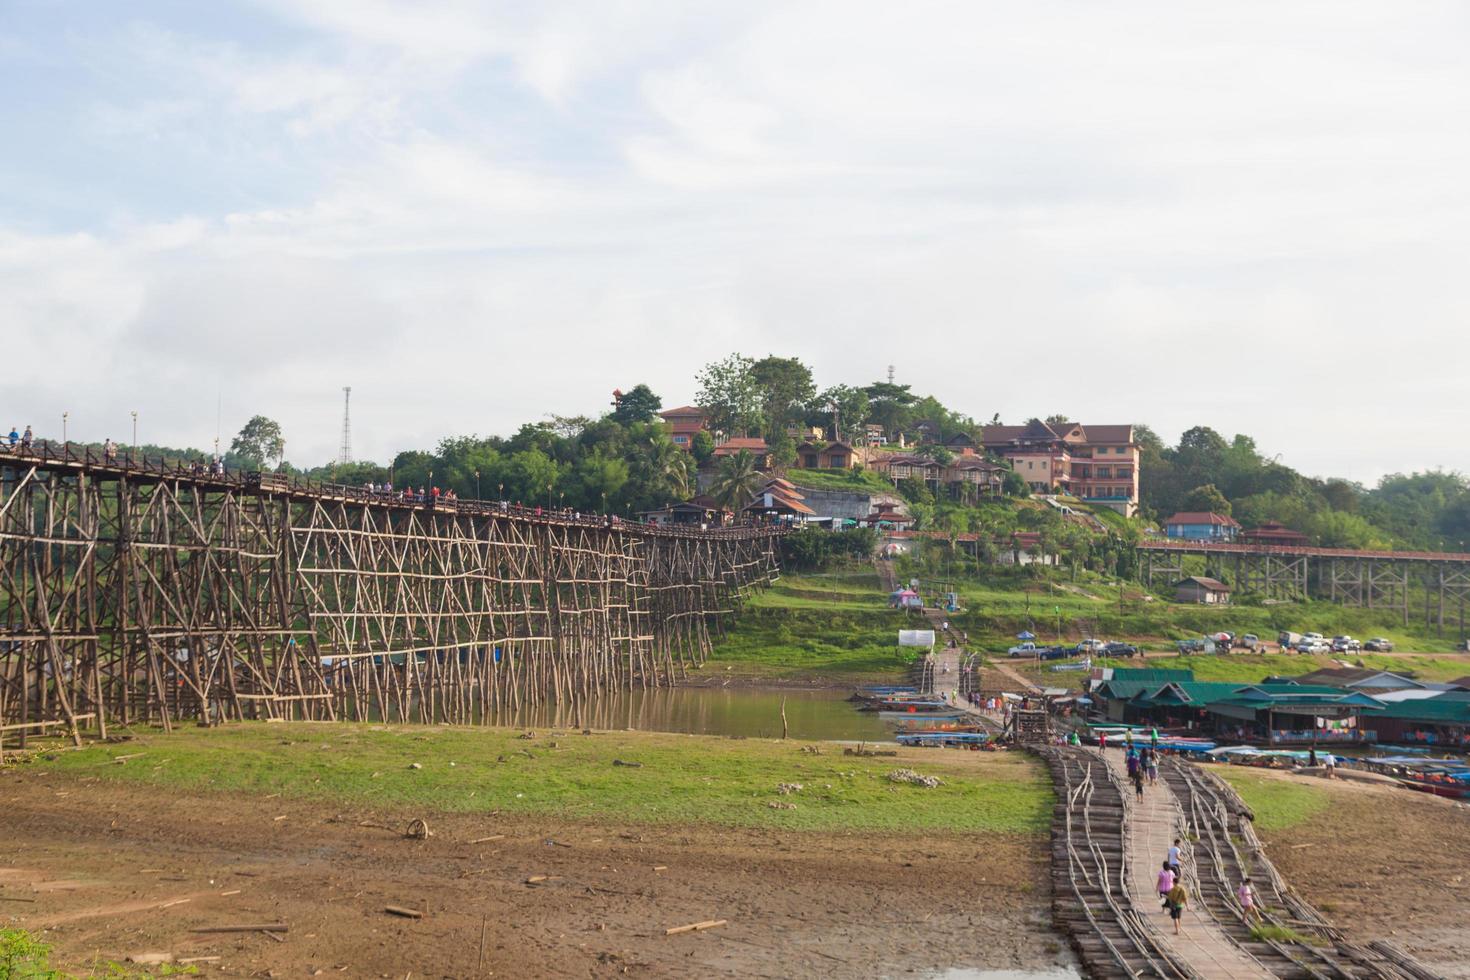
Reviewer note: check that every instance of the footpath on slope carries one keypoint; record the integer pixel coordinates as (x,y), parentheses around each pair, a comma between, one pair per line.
(1152,825)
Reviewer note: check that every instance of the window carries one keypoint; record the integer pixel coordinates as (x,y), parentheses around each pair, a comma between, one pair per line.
(839,462)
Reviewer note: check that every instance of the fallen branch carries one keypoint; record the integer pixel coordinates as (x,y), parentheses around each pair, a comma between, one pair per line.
(481,840)
(253,927)
(696,926)
(406,913)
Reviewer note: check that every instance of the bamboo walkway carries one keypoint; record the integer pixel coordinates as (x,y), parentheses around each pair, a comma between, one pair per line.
(1153,824)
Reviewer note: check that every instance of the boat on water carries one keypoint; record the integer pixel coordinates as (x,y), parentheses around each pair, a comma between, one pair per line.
(908,705)
(967,740)
(1449,778)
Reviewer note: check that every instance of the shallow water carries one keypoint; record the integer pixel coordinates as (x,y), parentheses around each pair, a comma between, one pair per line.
(754,713)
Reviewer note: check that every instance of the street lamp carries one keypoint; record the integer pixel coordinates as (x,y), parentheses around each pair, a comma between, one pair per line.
(135,432)
(477,484)
(64,417)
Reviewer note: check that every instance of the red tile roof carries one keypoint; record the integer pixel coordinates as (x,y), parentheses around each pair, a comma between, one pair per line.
(682,410)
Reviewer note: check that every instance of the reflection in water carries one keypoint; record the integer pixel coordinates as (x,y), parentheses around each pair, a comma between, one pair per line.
(709,711)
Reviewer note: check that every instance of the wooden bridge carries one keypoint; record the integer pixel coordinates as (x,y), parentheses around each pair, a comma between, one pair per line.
(1436,583)
(159,592)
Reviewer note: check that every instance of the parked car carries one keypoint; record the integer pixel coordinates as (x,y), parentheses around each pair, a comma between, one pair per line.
(1027,649)
(1249,641)
(1089,646)
(1056,653)
(1379,644)
(1120,650)
(1313,646)
(1314,637)
(1191,646)
(1345,644)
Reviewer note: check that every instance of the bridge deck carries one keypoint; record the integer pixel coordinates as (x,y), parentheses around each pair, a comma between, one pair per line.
(91,461)
(1285,551)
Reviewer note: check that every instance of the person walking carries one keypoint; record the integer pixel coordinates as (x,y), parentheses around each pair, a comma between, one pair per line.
(1167,877)
(1330,762)
(1138,783)
(1246,896)
(1175,901)
(1152,765)
(1172,861)
(1153,739)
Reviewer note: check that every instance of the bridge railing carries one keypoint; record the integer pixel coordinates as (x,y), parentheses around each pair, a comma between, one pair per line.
(124,461)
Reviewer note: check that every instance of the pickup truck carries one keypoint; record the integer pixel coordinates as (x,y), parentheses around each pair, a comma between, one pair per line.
(1120,650)
(1027,649)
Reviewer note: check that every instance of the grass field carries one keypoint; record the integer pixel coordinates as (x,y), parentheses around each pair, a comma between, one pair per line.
(681,778)
(836,626)
(1006,602)
(1278,803)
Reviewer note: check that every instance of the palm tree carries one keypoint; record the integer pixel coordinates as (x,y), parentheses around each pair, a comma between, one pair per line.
(668,461)
(736,481)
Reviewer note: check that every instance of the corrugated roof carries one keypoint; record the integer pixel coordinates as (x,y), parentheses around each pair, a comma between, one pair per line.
(1454,711)
(1202,517)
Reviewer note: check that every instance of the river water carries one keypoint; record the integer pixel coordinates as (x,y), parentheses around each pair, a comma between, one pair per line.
(753,713)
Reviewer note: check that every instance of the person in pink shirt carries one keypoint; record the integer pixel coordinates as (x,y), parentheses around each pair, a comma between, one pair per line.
(1166,882)
(1246,896)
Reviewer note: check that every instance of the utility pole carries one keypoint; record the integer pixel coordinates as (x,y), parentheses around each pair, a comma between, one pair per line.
(344,457)
(135,433)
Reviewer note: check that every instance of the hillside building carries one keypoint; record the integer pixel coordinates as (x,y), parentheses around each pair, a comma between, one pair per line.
(1098,463)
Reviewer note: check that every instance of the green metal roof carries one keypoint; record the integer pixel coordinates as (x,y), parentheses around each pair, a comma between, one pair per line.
(1453,711)
(1161,675)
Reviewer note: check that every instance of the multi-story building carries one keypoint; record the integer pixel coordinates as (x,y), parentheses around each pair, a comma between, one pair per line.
(1098,463)
(964,475)
(684,423)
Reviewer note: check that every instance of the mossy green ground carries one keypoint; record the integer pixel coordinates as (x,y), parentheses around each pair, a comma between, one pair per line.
(682,778)
(837,626)
(1278,803)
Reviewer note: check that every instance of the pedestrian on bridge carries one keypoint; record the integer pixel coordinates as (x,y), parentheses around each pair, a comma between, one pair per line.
(14,437)
(1172,861)
(1246,896)
(26,439)
(1138,783)
(1151,764)
(1167,877)
(1175,901)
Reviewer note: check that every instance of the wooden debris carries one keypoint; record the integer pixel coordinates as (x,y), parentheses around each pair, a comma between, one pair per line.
(537,879)
(252,927)
(407,913)
(696,926)
(177,901)
(660,867)
(15,898)
(481,840)
(418,829)
(234,891)
(198,959)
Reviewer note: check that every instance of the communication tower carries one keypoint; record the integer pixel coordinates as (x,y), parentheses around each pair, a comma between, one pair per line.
(345,456)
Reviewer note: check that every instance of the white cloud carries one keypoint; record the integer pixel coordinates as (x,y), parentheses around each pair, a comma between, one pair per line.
(476,215)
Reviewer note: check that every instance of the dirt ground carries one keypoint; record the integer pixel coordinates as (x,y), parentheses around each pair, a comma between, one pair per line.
(115,871)
(1385,862)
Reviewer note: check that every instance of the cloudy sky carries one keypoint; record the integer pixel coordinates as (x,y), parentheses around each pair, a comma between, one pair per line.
(1251,215)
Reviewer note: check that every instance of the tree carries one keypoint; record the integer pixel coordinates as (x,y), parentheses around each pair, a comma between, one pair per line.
(259,443)
(1014,485)
(784,384)
(729,396)
(1206,499)
(1057,419)
(638,405)
(666,464)
(736,481)
(851,405)
(702,446)
(783,449)
(888,405)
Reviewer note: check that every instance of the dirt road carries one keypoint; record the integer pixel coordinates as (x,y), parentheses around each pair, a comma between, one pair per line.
(117,870)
